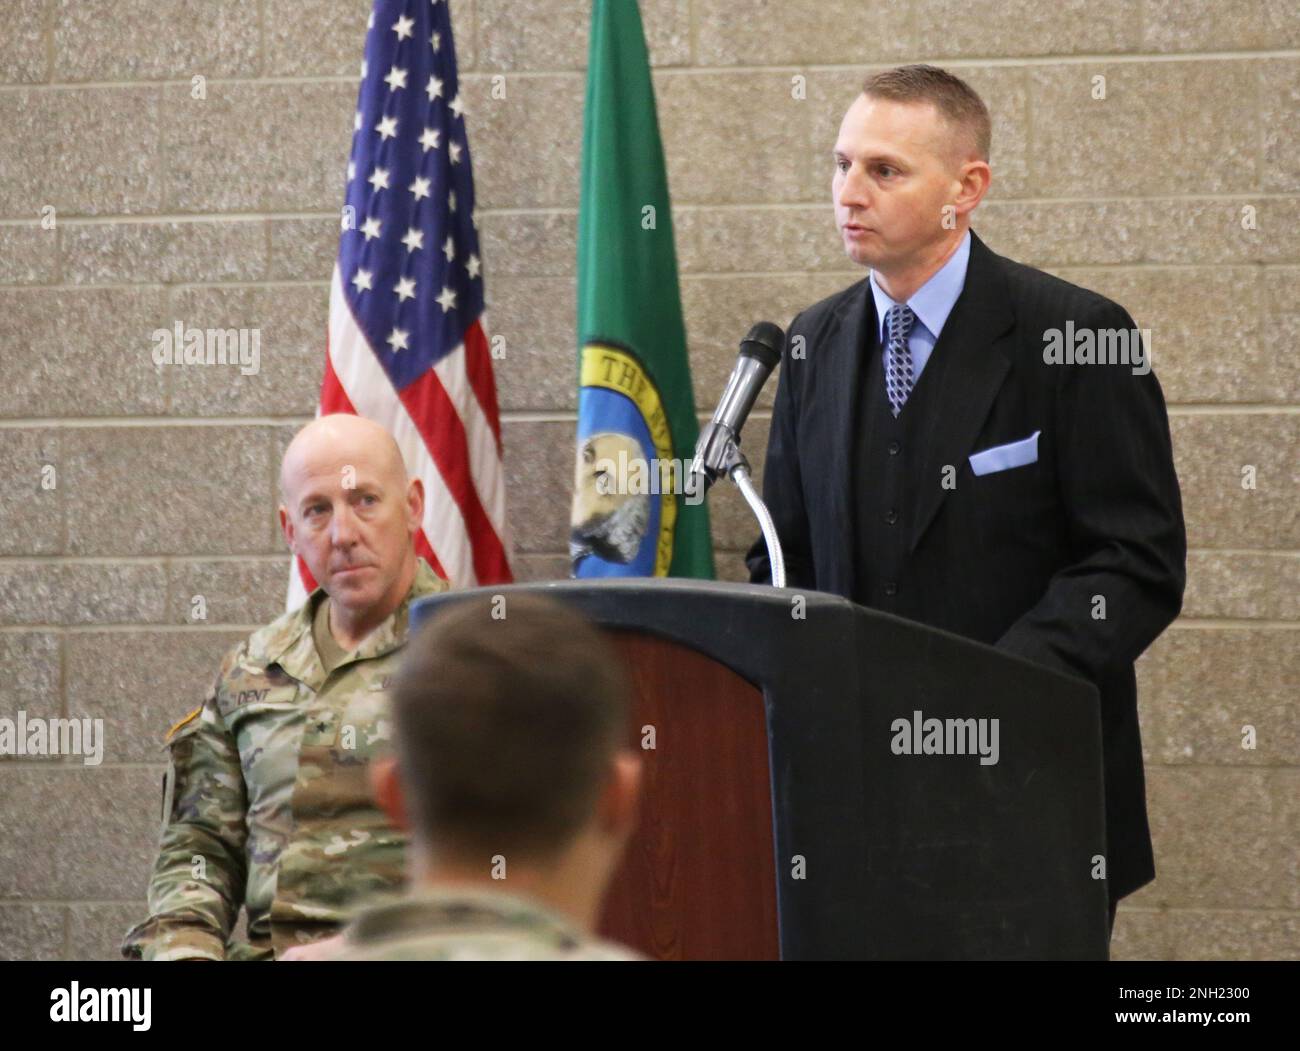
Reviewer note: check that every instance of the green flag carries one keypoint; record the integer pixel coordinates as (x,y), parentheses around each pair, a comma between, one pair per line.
(631,515)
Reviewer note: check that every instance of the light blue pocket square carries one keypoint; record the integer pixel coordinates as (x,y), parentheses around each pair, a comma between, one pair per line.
(1002,457)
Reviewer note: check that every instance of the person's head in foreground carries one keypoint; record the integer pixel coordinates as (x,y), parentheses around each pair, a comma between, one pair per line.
(514,775)
(351,512)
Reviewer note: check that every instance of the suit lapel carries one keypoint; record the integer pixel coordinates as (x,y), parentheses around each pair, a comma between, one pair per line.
(971,349)
(839,383)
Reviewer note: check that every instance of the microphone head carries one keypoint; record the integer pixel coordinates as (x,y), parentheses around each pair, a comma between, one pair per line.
(764,342)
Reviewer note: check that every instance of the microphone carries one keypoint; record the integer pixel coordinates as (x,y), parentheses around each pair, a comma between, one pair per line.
(716,453)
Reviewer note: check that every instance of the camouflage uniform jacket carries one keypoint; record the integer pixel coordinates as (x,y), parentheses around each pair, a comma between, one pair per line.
(467,924)
(266,802)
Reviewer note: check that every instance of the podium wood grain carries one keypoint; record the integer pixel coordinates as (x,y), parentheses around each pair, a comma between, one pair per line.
(697,882)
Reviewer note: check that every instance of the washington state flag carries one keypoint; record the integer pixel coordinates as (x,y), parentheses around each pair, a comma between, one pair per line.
(632,514)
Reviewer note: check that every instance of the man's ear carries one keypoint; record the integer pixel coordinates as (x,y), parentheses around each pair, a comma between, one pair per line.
(619,808)
(286,527)
(415,505)
(975,178)
(386,787)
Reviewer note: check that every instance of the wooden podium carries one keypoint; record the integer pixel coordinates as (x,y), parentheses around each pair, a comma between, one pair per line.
(779,821)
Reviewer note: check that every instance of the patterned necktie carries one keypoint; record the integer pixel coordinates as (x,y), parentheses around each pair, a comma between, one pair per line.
(898,358)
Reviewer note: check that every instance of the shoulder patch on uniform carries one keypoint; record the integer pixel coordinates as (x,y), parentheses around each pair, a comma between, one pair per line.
(184,722)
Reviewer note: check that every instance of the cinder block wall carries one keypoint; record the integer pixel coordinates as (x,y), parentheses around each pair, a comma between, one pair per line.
(222,212)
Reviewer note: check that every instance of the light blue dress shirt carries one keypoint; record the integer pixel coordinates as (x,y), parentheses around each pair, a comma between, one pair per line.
(931,303)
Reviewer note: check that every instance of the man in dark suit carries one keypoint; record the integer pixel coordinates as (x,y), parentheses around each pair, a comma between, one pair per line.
(947,447)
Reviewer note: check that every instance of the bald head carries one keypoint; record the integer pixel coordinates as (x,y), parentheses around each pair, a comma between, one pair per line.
(330,437)
(351,512)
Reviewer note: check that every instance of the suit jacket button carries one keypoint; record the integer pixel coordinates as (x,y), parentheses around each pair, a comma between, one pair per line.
(891,588)
(893,448)
(891,516)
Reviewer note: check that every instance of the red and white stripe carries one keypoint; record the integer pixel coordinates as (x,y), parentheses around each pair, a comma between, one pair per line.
(448,427)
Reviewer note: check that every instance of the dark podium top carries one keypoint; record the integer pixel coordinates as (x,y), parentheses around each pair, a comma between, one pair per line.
(873,854)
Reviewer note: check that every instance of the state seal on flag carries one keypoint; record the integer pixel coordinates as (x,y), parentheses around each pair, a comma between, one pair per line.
(625,478)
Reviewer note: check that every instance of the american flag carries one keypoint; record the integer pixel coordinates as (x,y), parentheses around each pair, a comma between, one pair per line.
(407,342)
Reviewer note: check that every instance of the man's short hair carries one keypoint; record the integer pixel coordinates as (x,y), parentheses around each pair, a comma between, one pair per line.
(508,711)
(956,101)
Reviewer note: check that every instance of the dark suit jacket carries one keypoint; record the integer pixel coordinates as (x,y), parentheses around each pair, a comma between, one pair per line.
(1012,558)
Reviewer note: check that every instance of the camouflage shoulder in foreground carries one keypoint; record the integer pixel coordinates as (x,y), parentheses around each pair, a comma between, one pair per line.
(465,925)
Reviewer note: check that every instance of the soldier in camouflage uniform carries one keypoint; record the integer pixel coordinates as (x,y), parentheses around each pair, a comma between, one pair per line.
(510,721)
(266,800)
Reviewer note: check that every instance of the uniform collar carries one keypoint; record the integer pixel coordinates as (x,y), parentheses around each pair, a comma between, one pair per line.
(294,649)
(452,910)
